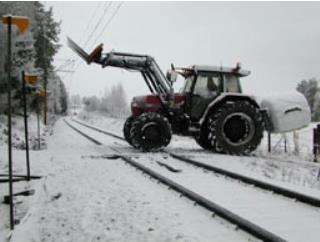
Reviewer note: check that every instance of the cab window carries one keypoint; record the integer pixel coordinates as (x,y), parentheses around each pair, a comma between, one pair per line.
(188,84)
(232,84)
(207,85)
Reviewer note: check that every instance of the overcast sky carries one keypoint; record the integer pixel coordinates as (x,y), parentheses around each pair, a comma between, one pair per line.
(278,42)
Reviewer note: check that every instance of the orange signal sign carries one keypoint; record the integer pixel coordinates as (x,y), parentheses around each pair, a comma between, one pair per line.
(40,93)
(21,22)
(30,78)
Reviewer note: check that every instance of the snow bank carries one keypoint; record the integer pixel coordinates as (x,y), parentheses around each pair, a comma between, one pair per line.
(287,112)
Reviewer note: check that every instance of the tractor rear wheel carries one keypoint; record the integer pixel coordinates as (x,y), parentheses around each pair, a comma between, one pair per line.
(127,127)
(235,128)
(150,131)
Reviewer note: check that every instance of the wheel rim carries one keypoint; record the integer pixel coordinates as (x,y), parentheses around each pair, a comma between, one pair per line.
(238,129)
(151,133)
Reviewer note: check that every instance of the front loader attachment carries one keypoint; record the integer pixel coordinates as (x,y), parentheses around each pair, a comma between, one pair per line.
(94,56)
(134,62)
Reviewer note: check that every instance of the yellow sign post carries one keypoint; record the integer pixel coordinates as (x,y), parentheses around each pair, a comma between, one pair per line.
(22,24)
(30,79)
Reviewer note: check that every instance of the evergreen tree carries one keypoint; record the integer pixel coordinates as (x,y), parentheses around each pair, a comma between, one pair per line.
(46,33)
(311,91)
(316,107)
(33,52)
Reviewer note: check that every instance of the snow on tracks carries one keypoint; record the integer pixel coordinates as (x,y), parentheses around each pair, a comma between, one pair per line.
(250,180)
(86,199)
(296,221)
(242,223)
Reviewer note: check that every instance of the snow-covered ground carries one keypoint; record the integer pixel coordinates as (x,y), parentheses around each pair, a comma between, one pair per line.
(263,208)
(18,136)
(83,197)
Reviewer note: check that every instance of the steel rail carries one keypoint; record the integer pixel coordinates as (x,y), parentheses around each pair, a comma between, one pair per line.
(249,180)
(83,134)
(241,223)
(99,130)
(252,181)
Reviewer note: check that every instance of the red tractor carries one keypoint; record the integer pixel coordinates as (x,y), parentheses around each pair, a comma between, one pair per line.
(211,107)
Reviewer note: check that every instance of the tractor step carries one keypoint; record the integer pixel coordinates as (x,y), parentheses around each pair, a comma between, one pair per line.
(194,129)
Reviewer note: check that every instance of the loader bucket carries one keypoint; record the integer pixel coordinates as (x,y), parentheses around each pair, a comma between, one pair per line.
(94,56)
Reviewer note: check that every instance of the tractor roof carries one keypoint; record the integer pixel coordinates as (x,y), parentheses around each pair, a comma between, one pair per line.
(232,70)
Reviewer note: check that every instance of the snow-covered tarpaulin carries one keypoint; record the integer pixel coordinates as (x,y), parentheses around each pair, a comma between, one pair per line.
(287,112)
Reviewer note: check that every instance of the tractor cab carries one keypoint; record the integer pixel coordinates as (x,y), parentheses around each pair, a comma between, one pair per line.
(203,84)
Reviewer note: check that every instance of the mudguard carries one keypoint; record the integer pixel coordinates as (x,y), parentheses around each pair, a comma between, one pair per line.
(227,97)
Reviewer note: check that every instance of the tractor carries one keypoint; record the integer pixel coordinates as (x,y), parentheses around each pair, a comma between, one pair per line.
(211,107)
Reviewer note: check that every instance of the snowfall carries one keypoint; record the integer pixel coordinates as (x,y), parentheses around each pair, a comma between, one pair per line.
(83,196)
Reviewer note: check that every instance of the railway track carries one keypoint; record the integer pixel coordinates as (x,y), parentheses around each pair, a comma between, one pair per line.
(240,221)
(249,180)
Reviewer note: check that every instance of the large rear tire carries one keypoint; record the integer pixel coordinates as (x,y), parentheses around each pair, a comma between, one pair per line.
(235,128)
(127,128)
(150,131)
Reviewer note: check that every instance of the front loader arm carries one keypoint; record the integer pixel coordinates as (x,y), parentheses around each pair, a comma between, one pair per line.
(143,63)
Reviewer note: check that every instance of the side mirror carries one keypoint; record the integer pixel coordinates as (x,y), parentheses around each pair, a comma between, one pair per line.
(172,76)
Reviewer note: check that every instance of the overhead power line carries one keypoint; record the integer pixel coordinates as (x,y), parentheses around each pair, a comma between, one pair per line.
(108,22)
(98,23)
(76,66)
(94,13)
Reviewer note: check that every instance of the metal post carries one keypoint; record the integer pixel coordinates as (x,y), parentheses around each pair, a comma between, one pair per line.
(24,93)
(9,125)
(38,123)
(269,142)
(315,143)
(317,140)
(285,143)
(45,96)
(45,78)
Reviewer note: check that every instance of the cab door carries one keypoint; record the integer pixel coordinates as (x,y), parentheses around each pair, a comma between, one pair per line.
(206,88)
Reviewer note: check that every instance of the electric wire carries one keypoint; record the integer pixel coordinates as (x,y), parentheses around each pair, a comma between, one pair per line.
(75,64)
(108,22)
(90,21)
(98,23)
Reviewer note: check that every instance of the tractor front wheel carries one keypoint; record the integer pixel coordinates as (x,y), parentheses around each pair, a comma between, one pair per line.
(150,131)
(127,128)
